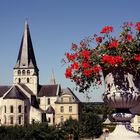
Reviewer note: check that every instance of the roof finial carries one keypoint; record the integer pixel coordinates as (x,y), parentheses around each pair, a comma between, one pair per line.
(52,80)
(26,22)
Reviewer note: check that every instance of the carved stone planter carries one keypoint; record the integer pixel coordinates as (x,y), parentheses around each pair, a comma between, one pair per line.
(121,92)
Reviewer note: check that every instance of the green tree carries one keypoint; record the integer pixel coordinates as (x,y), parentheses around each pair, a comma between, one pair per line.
(71,128)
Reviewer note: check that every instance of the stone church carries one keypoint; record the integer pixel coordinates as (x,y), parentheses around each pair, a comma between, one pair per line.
(27,101)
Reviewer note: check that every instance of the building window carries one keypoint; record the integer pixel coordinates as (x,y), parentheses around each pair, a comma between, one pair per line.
(25,109)
(70,99)
(19,119)
(19,72)
(11,120)
(38,101)
(61,100)
(5,120)
(61,108)
(11,109)
(49,119)
(28,72)
(48,101)
(62,119)
(19,109)
(4,109)
(19,80)
(138,119)
(70,108)
(23,72)
(28,80)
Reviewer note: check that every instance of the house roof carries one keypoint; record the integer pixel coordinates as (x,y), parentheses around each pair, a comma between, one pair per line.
(48,90)
(67,91)
(4,89)
(26,89)
(15,93)
(26,57)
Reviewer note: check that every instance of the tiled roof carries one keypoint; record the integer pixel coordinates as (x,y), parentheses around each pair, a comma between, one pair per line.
(4,89)
(15,93)
(48,90)
(50,110)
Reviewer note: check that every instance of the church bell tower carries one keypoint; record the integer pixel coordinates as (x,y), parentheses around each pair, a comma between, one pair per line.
(26,71)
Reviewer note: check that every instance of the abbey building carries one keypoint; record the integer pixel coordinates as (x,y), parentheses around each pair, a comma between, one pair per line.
(27,101)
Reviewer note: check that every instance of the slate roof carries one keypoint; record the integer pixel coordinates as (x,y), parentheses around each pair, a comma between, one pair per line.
(48,90)
(50,110)
(4,89)
(26,57)
(26,89)
(15,93)
(69,91)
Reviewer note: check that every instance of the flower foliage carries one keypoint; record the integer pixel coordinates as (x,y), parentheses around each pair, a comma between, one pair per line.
(101,52)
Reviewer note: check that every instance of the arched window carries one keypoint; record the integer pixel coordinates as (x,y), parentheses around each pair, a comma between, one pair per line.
(28,72)
(19,109)
(19,119)
(19,72)
(23,72)
(62,109)
(48,101)
(28,80)
(49,119)
(19,80)
(11,120)
(62,119)
(4,109)
(11,109)
(4,119)
(70,108)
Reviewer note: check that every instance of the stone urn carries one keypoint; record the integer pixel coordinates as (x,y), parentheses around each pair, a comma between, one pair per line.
(121,92)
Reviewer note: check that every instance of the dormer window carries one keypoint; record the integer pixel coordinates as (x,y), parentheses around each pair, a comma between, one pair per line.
(61,99)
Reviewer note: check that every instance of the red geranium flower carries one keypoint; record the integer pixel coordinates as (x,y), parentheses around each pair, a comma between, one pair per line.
(74,46)
(68,73)
(99,39)
(129,37)
(86,54)
(71,57)
(85,64)
(87,72)
(137,57)
(138,26)
(113,43)
(75,65)
(96,68)
(107,29)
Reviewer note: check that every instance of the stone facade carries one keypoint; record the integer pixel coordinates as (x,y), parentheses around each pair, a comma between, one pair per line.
(27,101)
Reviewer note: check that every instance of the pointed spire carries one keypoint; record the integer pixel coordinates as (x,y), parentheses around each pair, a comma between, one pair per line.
(52,80)
(26,57)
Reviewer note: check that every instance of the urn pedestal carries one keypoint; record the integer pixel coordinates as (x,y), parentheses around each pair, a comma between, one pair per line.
(122,92)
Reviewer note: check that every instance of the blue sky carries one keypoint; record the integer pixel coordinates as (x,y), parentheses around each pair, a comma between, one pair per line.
(54,25)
